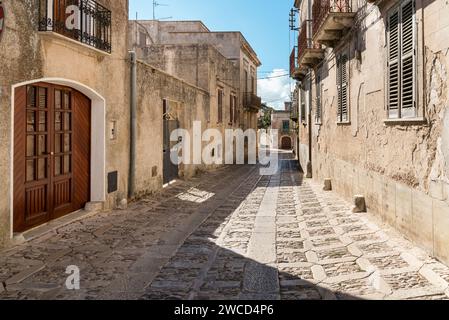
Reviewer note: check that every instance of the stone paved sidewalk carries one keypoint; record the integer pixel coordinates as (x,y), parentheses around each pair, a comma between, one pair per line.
(230,234)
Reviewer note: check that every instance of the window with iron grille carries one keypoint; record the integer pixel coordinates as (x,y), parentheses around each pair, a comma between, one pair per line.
(402,61)
(220,105)
(342,88)
(318,110)
(85,21)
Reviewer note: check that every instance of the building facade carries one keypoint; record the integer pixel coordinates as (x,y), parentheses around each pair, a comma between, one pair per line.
(62,86)
(373,108)
(281,121)
(85,125)
(223,63)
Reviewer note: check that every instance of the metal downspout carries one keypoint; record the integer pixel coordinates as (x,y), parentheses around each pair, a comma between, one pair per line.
(133,131)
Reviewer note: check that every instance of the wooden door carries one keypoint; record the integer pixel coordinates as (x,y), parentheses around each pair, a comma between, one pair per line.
(51,134)
(286,143)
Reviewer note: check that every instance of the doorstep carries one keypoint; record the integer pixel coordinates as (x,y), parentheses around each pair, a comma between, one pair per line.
(91,209)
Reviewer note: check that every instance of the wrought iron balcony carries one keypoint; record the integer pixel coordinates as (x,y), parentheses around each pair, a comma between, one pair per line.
(331,18)
(294,112)
(310,53)
(296,72)
(85,21)
(252,102)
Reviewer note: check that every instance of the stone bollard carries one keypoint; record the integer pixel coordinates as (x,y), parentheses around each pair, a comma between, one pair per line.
(327,185)
(309,174)
(123,204)
(360,204)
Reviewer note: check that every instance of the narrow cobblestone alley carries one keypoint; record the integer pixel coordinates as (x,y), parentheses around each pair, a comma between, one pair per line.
(228,234)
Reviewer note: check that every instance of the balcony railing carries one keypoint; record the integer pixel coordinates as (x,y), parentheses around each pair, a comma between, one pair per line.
(293,62)
(330,18)
(294,112)
(85,21)
(309,51)
(252,101)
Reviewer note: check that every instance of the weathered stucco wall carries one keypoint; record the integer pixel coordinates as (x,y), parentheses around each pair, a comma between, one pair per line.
(178,47)
(192,104)
(28,55)
(402,168)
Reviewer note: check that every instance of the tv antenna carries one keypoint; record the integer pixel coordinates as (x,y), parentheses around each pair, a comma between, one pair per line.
(157,4)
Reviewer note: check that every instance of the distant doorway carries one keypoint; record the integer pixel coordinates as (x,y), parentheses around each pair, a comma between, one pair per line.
(170,170)
(286,143)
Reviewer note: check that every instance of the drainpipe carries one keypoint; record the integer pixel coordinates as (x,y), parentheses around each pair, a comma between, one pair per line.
(133,132)
(310,35)
(309,164)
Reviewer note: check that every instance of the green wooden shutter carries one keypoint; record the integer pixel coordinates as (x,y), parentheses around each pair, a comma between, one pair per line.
(342,88)
(318,100)
(339,98)
(408,108)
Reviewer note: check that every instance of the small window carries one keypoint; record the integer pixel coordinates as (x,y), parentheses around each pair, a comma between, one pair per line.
(233,109)
(220,105)
(285,126)
(303,105)
(236,111)
(142,39)
(318,110)
(342,88)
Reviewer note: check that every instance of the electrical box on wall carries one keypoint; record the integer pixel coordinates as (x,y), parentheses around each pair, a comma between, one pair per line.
(112,182)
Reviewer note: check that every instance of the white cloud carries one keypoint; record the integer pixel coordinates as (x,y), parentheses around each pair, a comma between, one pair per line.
(275,90)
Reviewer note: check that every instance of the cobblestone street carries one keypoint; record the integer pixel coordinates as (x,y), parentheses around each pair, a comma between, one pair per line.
(229,234)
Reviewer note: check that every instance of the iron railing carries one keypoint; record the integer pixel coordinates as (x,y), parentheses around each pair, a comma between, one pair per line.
(305,40)
(293,61)
(251,101)
(321,9)
(85,21)
(294,112)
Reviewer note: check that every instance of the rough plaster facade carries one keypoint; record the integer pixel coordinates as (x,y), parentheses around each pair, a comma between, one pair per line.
(186,103)
(30,56)
(190,51)
(400,166)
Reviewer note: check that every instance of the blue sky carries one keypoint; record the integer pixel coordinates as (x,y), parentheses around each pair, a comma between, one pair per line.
(264,23)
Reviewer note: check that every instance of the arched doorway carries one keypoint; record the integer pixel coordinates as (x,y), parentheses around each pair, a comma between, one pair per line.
(286,143)
(52,153)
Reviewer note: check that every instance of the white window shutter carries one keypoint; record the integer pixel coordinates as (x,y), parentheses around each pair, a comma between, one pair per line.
(408,109)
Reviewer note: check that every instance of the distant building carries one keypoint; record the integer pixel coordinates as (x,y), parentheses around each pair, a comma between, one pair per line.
(280,120)
(373,109)
(222,63)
